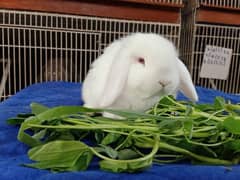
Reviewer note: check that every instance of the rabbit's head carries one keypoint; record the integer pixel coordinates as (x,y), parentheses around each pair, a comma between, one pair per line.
(154,67)
(146,64)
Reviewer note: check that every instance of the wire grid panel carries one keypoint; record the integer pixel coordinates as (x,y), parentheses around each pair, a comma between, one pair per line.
(222,3)
(166,1)
(52,47)
(222,36)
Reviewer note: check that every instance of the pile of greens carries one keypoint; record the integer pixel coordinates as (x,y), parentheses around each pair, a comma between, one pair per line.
(66,138)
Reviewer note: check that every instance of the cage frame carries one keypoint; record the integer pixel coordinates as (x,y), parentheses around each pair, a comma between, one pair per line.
(146,10)
(71,25)
(194,16)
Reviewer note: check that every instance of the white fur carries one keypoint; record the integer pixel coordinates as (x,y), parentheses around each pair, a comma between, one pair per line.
(118,81)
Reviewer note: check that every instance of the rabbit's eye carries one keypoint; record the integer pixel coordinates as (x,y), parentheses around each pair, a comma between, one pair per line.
(141,60)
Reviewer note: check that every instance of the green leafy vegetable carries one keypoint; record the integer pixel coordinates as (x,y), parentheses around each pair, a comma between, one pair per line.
(232,124)
(65,138)
(61,156)
(110,138)
(38,108)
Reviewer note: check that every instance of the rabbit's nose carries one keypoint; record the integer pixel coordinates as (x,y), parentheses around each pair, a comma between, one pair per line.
(164,83)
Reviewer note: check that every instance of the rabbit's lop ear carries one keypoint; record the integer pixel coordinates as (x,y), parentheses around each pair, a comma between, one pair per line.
(116,78)
(186,84)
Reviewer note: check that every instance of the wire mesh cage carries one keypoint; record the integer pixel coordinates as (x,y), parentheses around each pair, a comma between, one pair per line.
(221,3)
(179,2)
(196,36)
(37,47)
(167,1)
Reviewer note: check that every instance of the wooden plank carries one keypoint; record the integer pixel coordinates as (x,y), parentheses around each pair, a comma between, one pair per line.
(218,16)
(214,7)
(106,9)
(155,3)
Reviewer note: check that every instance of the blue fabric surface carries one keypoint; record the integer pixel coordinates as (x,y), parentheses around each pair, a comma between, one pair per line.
(13,153)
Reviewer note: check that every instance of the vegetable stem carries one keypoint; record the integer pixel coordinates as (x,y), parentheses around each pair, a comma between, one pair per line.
(150,155)
(171,130)
(205,159)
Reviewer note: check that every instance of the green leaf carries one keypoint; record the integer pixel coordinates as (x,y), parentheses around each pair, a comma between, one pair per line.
(125,166)
(167,100)
(199,132)
(53,113)
(66,135)
(38,108)
(25,115)
(127,154)
(170,124)
(189,110)
(59,135)
(132,165)
(188,127)
(233,108)
(107,150)
(219,103)
(40,134)
(204,107)
(99,135)
(110,138)
(232,124)
(19,119)
(25,137)
(15,121)
(129,115)
(233,145)
(64,155)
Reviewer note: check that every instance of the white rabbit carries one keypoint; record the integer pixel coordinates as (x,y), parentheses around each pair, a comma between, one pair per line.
(134,72)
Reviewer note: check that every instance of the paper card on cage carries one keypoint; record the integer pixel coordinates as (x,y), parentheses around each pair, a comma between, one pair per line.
(216,62)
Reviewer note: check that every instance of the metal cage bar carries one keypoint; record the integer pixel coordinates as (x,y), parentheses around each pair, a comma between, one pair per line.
(222,36)
(179,2)
(222,3)
(57,47)
(194,38)
(167,1)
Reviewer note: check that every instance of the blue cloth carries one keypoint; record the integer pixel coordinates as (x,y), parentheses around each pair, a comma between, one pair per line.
(14,153)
